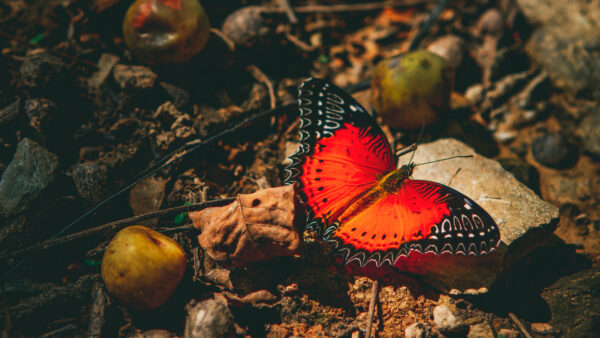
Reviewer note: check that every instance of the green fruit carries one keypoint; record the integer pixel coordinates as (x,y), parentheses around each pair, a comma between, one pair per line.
(166,31)
(142,267)
(412,89)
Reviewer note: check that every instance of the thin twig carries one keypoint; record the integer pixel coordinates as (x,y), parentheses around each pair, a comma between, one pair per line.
(425,25)
(285,4)
(230,44)
(118,224)
(176,230)
(56,332)
(263,78)
(519,324)
(299,43)
(370,6)
(372,307)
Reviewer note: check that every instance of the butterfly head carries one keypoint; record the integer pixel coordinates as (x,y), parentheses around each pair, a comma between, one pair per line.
(407,170)
(393,180)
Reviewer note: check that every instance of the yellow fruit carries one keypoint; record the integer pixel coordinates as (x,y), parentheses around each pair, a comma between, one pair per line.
(142,267)
(166,31)
(411,89)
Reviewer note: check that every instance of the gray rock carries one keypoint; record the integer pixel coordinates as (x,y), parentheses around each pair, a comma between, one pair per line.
(590,133)
(575,304)
(418,330)
(481,330)
(566,43)
(249,26)
(208,319)
(552,150)
(30,172)
(446,321)
(523,218)
(91,181)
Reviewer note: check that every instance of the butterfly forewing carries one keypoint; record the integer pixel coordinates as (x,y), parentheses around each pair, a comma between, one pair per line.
(342,152)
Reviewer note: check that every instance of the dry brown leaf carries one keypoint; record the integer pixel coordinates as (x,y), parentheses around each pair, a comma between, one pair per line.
(256,227)
(260,299)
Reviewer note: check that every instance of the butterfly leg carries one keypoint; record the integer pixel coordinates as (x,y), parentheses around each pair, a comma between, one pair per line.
(374,292)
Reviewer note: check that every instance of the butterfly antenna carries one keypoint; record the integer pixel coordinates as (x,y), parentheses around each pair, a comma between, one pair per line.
(444,159)
(418,139)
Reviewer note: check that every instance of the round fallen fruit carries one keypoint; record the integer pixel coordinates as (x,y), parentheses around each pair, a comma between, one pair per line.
(412,88)
(142,267)
(166,31)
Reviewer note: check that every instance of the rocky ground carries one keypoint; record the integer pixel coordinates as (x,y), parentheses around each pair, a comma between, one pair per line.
(81,118)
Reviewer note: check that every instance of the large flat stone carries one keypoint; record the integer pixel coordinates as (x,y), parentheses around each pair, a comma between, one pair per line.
(523,218)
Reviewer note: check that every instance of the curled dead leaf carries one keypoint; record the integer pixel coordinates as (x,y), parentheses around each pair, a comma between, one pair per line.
(256,227)
(258,299)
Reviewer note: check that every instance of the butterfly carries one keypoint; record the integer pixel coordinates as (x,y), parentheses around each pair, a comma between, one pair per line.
(357,201)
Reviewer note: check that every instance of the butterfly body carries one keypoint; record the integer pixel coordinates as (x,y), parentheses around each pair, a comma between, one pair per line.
(345,173)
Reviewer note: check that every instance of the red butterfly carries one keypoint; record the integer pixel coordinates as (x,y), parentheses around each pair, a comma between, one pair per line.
(357,200)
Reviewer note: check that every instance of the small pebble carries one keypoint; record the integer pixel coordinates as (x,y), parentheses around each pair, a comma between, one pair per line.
(450,47)
(490,23)
(552,150)
(481,330)
(249,26)
(91,181)
(209,319)
(446,321)
(542,328)
(418,330)
(474,93)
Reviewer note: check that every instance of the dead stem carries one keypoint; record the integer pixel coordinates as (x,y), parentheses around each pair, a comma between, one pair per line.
(285,4)
(117,225)
(372,307)
(263,78)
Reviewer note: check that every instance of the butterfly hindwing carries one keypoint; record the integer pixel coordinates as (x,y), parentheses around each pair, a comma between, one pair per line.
(342,152)
(423,216)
